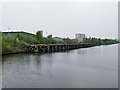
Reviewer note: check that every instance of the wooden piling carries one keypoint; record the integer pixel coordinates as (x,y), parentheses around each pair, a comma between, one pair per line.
(56,47)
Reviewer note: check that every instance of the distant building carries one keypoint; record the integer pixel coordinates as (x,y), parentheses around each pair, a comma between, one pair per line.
(17,32)
(41,32)
(79,37)
(57,38)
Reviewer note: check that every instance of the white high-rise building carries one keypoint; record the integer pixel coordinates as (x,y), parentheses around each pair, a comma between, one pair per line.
(79,37)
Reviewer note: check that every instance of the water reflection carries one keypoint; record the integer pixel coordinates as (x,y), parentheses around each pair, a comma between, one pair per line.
(94,67)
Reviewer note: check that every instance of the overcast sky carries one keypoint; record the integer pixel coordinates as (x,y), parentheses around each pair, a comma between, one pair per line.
(64,19)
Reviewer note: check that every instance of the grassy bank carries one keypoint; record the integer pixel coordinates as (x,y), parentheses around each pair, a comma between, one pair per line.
(14,44)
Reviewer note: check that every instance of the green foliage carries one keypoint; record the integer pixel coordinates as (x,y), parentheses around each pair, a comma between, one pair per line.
(49,36)
(68,41)
(7,43)
(12,43)
(16,42)
(39,35)
(98,41)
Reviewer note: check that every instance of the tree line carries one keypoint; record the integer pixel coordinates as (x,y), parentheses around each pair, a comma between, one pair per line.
(97,41)
(12,43)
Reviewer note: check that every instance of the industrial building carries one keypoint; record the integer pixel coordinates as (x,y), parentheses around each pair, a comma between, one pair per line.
(17,32)
(79,37)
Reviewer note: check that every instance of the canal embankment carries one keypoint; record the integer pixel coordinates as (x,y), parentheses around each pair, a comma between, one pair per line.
(22,42)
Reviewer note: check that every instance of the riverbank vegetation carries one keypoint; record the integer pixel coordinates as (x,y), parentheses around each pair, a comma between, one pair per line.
(15,43)
(97,41)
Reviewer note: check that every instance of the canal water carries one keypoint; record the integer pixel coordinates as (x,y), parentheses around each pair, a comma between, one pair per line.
(95,67)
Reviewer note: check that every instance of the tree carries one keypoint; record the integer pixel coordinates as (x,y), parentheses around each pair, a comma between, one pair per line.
(49,36)
(39,35)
